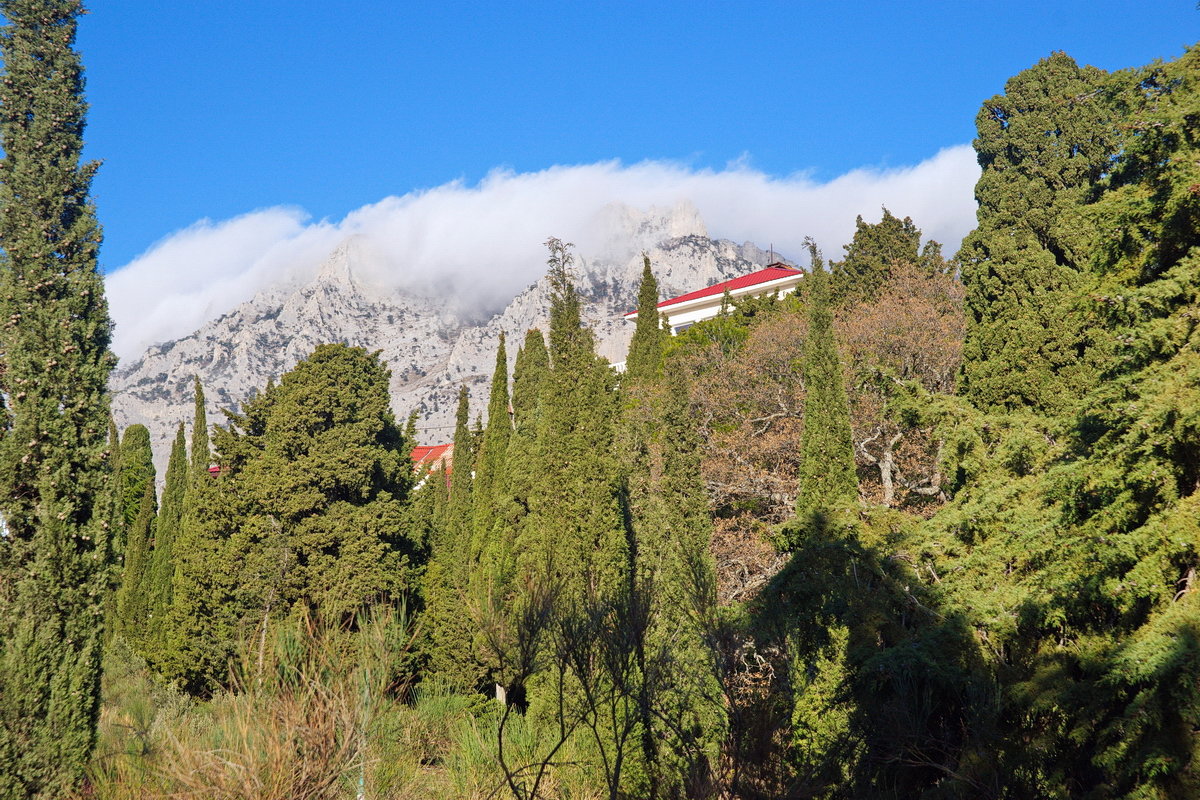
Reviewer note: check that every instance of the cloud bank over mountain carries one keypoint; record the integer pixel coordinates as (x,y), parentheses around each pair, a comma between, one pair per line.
(482,244)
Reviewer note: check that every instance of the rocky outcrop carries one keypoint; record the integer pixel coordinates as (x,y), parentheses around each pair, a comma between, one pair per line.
(429,347)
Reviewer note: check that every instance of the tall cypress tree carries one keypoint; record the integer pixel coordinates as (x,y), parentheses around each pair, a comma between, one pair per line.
(489,466)
(55,554)
(132,603)
(1042,147)
(194,648)
(827,474)
(201,447)
(646,348)
(136,471)
(162,561)
(579,533)
(449,642)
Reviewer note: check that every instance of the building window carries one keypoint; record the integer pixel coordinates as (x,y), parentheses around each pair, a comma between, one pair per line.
(681,328)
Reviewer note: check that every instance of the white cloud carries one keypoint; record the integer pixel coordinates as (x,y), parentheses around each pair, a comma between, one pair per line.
(483,243)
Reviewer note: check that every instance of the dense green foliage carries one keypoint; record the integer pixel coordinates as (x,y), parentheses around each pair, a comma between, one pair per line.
(161,572)
(795,551)
(307,513)
(827,477)
(874,253)
(54,483)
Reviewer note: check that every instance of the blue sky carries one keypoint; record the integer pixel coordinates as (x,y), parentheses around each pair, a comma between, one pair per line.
(214,109)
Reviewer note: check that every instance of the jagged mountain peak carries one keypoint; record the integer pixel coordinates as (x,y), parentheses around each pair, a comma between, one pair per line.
(429,347)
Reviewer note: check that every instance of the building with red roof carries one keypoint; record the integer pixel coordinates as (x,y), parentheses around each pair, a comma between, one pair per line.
(427,458)
(686,310)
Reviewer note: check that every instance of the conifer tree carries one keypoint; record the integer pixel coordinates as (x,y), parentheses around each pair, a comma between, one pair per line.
(827,475)
(132,605)
(54,498)
(136,472)
(198,631)
(1042,145)
(579,533)
(201,449)
(646,348)
(489,466)
(161,573)
(874,252)
(450,638)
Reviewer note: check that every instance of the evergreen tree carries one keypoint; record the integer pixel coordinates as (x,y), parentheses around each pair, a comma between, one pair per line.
(579,534)
(201,447)
(646,348)
(1042,145)
(161,573)
(132,598)
(827,474)
(307,514)
(198,633)
(874,252)
(450,638)
(670,570)
(136,472)
(492,454)
(54,498)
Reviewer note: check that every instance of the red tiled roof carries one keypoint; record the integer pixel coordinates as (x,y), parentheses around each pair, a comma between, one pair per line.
(771,273)
(429,456)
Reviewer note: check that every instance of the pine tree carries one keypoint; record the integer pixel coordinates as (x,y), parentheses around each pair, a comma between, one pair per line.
(827,475)
(161,573)
(55,553)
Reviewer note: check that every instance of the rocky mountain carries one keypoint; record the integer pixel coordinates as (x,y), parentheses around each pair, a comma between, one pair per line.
(431,348)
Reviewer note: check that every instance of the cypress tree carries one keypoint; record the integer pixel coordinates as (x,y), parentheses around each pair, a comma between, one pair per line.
(132,605)
(162,560)
(135,473)
(201,446)
(55,553)
(827,474)
(579,533)
(198,632)
(1042,146)
(646,348)
(450,638)
(489,466)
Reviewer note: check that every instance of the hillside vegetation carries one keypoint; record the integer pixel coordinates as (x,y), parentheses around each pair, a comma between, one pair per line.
(927,529)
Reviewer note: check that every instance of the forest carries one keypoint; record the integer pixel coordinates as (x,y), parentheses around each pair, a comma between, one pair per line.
(927,528)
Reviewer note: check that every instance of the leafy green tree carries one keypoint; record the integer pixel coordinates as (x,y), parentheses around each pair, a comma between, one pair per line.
(55,553)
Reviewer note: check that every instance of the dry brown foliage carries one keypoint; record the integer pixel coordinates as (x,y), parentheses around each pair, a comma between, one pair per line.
(749,405)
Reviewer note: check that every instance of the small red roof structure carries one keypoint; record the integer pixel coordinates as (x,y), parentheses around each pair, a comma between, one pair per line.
(427,458)
(772,272)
